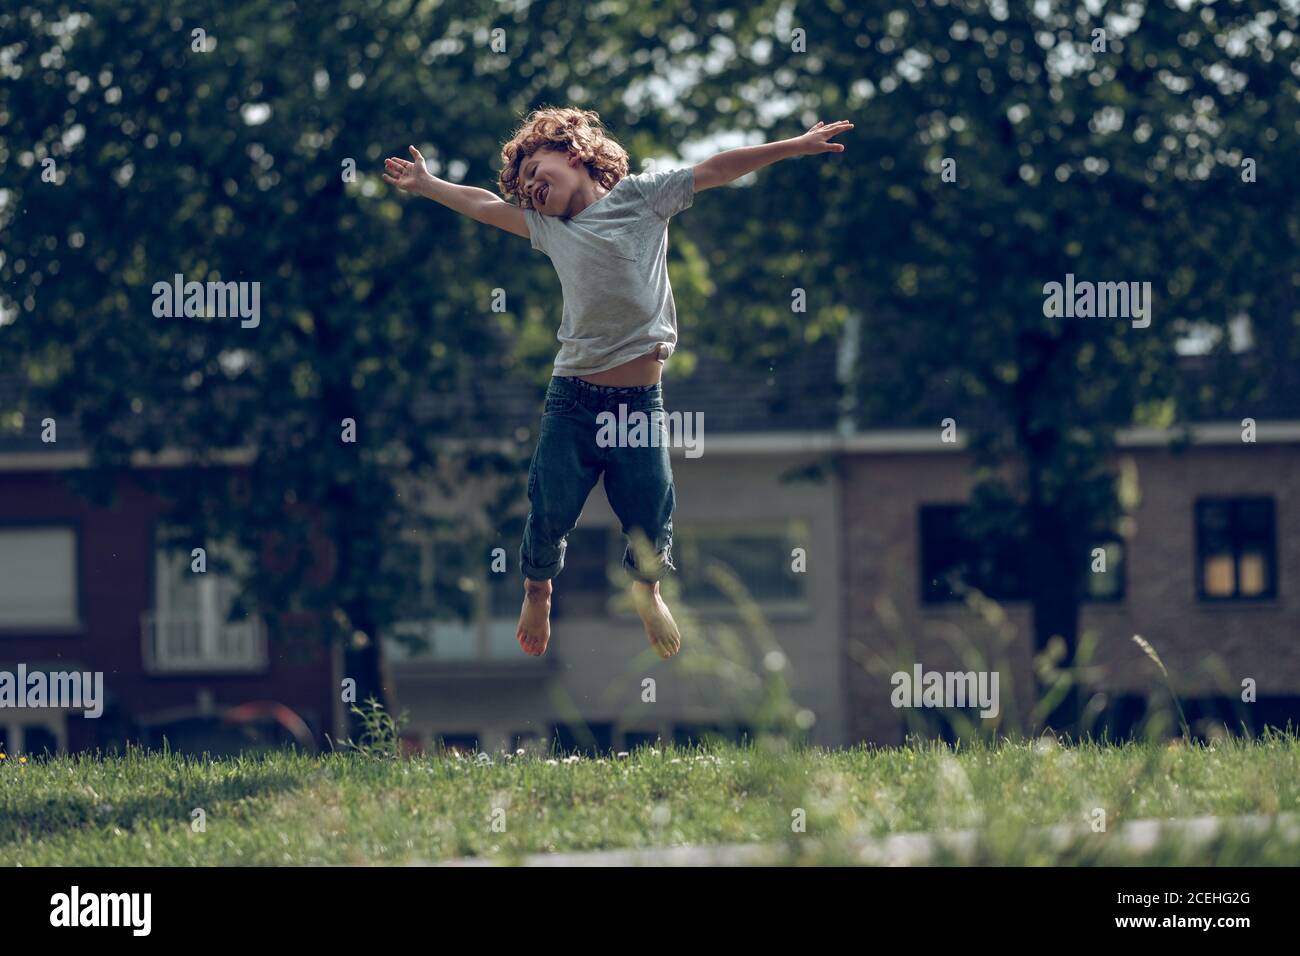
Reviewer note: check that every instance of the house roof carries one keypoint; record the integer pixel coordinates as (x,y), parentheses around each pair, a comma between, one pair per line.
(797,393)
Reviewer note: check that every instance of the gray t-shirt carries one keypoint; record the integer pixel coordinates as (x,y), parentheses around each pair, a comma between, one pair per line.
(612,260)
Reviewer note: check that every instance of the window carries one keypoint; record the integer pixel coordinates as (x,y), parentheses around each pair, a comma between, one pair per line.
(640,738)
(952,559)
(455,607)
(460,743)
(39,740)
(1236,549)
(38,578)
(761,556)
(583,588)
(532,742)
(190,627)
(693,735)
(594,738)
(33,732)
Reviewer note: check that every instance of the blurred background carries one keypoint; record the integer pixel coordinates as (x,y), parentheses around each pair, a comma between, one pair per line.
(905,461)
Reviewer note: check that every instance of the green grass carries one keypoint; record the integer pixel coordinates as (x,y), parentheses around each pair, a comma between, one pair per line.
(290,808)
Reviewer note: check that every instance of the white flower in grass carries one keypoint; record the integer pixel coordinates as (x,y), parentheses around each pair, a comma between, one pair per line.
(622,753)
(552,763)
(573,759)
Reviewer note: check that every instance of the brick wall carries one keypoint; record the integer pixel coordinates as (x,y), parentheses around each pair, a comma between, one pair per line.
(115,570)
(1208,648)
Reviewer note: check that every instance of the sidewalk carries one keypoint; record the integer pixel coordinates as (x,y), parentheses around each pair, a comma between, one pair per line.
(914,849)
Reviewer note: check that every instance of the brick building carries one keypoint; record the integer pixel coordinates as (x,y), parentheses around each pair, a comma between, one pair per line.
(1210,576)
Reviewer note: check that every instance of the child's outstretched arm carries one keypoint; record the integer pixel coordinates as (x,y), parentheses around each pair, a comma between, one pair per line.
(732,164)
(479,204)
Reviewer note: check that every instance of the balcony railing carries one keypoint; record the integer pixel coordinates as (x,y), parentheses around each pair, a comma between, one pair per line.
(180,642)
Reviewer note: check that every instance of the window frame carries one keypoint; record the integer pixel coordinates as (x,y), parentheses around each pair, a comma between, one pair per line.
(604,604)
(793,529)
(14,724)
(209,613)
(481,624)
(1202,505)
(77,625)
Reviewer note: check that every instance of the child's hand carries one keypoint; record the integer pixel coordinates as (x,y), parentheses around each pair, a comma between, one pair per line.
(815,140)
(411,177)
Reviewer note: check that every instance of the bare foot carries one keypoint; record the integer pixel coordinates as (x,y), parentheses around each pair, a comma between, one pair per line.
(534,631)
(659,624)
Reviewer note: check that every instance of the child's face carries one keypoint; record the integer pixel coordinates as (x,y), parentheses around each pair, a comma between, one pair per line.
(551,178)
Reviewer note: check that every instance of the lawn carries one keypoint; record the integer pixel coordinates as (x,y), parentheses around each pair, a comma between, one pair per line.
(293,808)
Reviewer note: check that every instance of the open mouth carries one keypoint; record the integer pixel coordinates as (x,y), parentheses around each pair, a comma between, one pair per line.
(542,194)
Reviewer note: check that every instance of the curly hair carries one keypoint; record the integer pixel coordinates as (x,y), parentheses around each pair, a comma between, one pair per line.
(565,128)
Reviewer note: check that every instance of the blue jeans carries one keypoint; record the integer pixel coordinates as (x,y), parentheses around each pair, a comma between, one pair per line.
(569,459)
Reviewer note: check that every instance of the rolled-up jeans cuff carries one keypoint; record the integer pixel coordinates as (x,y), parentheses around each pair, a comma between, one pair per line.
(541,572)
(664,564)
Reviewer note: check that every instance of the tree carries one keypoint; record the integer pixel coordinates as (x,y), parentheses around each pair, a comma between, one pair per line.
(244,144)
(1000,147)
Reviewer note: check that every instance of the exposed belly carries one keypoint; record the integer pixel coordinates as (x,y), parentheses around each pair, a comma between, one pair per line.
(645,370)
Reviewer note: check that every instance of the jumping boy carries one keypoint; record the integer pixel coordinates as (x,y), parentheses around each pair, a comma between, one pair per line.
(606,233)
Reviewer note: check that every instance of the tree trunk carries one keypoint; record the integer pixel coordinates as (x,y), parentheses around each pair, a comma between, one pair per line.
(1054,586)
(366,666)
